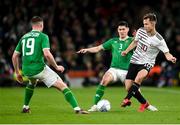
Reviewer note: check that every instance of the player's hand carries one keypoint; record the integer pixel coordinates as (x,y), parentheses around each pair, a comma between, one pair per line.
(19,78)
(123,53)
(82,51)
(172,59)
(60,68)
(134,33)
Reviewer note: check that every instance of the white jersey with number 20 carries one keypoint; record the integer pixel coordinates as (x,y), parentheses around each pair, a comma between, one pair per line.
(148,47)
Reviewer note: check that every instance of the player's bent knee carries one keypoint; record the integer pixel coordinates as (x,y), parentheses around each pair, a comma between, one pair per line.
(141,76)
(60,85)
(105,81)
(104,84)
(139,79)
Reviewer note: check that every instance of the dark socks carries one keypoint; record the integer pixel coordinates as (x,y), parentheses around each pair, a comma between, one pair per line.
(140,97)
(134,91)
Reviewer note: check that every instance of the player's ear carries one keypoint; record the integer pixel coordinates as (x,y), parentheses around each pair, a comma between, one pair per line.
(153,23)
(41,24)
(127,29)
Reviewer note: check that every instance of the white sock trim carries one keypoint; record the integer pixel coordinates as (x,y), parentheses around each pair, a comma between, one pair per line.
(77,108)
(26,106)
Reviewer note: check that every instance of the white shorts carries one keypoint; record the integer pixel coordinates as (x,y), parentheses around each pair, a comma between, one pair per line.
(118,74)
(48,76)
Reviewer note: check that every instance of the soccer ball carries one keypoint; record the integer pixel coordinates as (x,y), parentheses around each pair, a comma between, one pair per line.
(103,105)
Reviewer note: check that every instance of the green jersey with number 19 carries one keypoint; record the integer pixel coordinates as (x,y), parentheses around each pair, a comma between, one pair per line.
(31,47)
(116,45)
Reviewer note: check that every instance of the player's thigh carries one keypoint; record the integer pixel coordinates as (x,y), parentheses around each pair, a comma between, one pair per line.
(121,75)
(113,73)
(141,76)
(107,78)
(128,84)
(132,71)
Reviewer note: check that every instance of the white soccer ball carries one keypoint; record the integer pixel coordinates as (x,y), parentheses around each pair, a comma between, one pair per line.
(103,105)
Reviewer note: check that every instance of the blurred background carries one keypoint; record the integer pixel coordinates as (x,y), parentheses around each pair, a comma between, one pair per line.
(75,24)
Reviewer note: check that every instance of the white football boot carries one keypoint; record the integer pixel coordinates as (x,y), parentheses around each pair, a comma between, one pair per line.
(93,108)
(152,108)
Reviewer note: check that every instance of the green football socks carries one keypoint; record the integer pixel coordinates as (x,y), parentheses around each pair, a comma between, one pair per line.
(99,94)
(70,97)
(28,93)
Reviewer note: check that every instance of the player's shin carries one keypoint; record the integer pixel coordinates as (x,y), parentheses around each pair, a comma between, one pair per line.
(99,94)
(28,93)
(132,91)
(70,98)
(140,97)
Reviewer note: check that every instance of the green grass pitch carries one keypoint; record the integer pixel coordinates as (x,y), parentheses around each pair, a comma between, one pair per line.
(48,106)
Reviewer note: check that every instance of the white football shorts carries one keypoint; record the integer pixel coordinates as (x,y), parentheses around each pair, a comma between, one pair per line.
(118,74)
(48,76)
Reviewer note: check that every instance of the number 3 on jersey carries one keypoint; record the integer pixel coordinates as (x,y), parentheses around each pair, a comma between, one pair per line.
(28,45)
(120,47)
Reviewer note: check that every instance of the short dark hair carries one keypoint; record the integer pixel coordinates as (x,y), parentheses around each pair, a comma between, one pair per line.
(150,16)
(123,23)
(36,19)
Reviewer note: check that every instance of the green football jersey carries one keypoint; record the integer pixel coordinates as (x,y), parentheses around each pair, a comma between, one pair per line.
(116,46)
(31,47)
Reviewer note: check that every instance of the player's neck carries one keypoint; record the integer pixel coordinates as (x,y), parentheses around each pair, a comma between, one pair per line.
(35,29)
(152,32)
(123,38)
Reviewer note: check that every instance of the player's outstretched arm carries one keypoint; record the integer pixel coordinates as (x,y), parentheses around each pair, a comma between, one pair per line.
(91,50)
(130,47)
(49,57)
(170,57)
(15,61)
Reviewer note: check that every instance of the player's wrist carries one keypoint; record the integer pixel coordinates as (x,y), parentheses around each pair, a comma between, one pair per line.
(126,51)
(17,72)
(86,50)
(56,67)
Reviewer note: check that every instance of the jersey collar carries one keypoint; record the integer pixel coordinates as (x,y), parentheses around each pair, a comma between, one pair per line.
(35,30)
(124,38)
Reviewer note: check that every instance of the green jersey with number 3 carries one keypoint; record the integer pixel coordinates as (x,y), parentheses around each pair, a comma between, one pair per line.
(116,46)
(31,47)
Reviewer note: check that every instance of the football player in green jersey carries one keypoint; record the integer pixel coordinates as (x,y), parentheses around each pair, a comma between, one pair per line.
(119,64)
(33,47)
